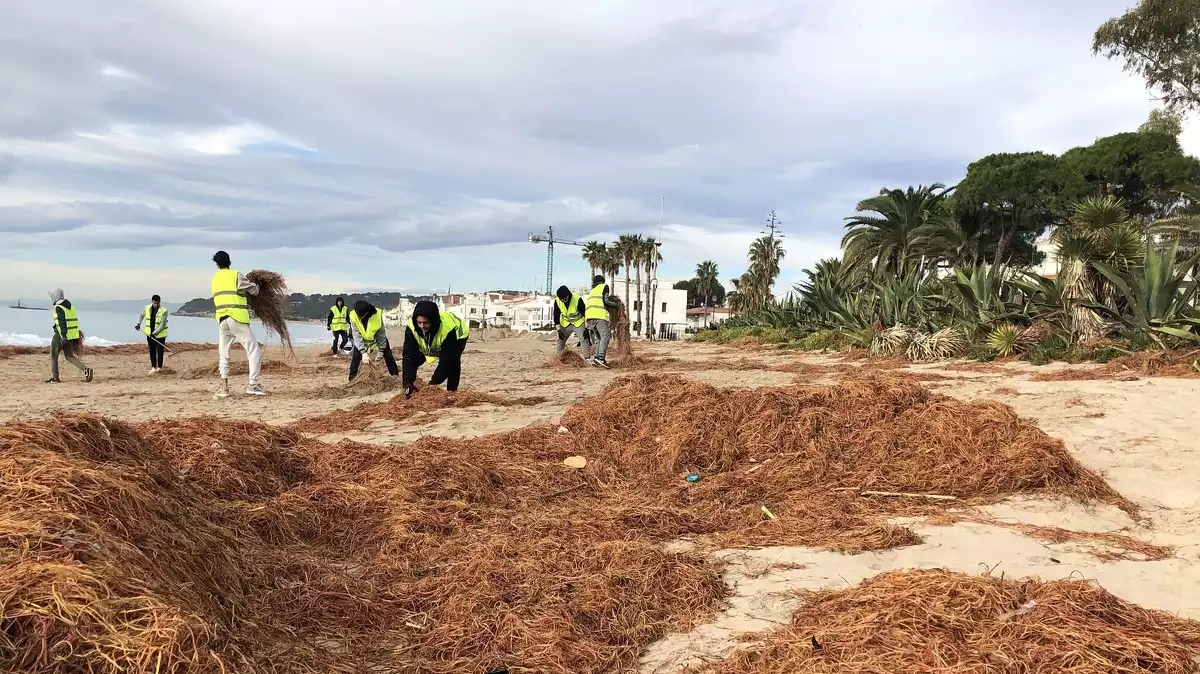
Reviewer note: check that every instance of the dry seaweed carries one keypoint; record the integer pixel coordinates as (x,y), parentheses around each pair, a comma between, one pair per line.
(271,304)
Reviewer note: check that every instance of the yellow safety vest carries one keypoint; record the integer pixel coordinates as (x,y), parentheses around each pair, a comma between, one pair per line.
(374,323)
(572,317)
(72,319)
(594,308)
(160,329)
(339,319)
(227,301)
(450,324)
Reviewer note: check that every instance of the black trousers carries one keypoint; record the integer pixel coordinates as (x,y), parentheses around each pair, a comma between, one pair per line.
(357,357)
(449,369)
(344,336)
(157,350)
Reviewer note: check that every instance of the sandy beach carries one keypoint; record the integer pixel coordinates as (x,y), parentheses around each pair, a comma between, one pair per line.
(1138,435)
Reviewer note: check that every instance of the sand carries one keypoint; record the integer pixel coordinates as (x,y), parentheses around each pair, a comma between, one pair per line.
(1140,435)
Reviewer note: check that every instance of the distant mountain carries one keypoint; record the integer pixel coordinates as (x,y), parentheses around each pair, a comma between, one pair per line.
(308,307)
(114,306)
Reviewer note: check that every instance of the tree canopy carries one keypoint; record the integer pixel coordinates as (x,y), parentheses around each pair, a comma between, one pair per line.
(1159,40)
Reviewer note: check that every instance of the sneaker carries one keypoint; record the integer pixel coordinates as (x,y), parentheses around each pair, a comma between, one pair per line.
(256,390)
(53,380)
(154,370)
(600,362)
(221,394)
(87,374)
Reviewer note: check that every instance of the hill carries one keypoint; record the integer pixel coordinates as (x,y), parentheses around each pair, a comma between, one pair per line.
(306,307)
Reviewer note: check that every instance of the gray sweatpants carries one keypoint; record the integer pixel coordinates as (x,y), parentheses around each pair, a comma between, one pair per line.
(57,345)
(565,333)
(600,328)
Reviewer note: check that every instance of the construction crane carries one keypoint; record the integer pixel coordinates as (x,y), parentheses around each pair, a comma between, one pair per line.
(549,240)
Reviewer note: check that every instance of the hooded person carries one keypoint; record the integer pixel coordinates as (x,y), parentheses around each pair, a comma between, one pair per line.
(153,322)
(437,338)
(569,318)
(338,322)
(67,336)
(599,301)
(369,338)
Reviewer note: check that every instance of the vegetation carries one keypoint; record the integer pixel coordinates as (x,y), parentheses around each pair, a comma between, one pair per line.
(1157,40)
(633,254)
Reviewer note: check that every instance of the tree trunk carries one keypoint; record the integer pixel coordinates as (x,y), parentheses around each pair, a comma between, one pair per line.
(653,290)
(637,268)
(627,281)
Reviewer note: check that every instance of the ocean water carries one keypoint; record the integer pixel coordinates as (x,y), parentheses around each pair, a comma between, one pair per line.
(34,328)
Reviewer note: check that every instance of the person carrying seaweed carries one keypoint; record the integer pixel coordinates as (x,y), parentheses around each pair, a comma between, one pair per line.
(435,337)
(369,338)
(67,337)
(229,291)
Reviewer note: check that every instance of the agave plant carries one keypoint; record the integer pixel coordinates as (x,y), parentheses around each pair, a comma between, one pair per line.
(1008,339)
(892,341)
(1158,300)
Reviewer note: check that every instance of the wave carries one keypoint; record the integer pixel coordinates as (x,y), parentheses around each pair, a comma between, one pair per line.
(23,339)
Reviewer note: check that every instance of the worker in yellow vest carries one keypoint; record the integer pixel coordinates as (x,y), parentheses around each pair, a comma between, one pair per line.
(229,291)
(569,318)
(438,338)
(599,301)
(369,338)
(153,323)
(338,322)
(66,336)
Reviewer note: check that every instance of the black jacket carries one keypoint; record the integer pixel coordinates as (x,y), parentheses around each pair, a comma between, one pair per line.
(580,306)
(449,357)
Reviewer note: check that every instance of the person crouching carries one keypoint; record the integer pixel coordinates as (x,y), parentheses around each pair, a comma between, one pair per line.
(369,339)
(438,338)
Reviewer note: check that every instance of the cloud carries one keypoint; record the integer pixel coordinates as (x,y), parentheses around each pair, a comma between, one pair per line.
(410,132)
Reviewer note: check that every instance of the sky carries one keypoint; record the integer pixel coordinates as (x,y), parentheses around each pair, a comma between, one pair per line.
(375,144)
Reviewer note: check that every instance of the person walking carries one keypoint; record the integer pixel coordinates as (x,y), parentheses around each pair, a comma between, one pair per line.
(369,339)
(338,323)
(599,300)
(569,313)
(66,337)
(229,291)
(153,322)
(437,338)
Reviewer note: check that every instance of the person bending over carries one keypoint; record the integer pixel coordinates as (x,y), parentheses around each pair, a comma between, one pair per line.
(569,317)
(435,337)
(369,339)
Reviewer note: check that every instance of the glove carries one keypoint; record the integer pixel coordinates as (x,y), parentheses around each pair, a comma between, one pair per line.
(137,327)
(369,357)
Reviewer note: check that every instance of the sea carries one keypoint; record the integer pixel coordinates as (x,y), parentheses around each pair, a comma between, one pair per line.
(25,327)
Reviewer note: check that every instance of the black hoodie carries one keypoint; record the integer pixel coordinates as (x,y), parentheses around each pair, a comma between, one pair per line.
(329,316)
(564,294)
(452,347)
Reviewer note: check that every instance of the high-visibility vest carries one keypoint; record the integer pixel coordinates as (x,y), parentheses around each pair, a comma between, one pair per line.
(374,323)
(72,319)
(450,324)
(594,308)
(569,317)
(227,301)
(339,319)
(160,327)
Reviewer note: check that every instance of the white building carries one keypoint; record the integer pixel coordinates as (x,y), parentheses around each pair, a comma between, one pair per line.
(700,318)
(1049,267)
(493,309)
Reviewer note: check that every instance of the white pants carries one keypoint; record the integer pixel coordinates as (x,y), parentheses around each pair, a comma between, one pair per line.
(230,331)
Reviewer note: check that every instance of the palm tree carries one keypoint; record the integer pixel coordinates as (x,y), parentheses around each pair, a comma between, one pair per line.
(1099,230)
(651,259)
(889,238)
(707,277)
(765,254)
(593,254)
(627,247)
(608,264)
(738,298)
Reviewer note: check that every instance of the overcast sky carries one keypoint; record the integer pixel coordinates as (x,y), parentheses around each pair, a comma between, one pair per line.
(407,144)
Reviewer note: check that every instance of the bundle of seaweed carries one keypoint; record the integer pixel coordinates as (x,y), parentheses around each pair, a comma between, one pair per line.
(400,408)
(370,380)
(1173,364)
(236,368)
(271,304)
(618,318)
(937,621)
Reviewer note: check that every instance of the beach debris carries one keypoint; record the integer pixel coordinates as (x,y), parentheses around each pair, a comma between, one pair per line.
(767,514)
(575,462)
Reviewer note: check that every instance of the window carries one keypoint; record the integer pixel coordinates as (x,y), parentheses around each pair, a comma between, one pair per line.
(473,310)
(500,313)
(664,307)
(637,305)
